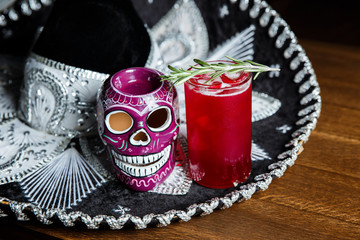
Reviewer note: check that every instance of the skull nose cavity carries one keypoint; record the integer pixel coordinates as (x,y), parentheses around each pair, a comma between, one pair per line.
(140,138)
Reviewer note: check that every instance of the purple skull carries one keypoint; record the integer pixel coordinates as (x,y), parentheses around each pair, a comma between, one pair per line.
(138,122)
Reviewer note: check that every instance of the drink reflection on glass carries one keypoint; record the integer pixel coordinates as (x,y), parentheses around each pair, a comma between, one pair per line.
(218,116)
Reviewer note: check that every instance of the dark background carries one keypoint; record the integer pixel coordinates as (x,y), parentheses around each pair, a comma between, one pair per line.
(335,21)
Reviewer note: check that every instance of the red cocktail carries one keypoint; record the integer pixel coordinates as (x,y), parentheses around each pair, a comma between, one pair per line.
(218,116)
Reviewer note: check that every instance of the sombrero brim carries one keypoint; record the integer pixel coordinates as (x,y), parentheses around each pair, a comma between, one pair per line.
(289,107)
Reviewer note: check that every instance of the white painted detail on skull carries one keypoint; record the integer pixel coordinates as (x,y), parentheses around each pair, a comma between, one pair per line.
(108,125)
(142,142)
(165,124)
(142,166)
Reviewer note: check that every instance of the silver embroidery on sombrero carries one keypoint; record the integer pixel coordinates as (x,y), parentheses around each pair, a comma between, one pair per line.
(58,98)
(7,104)
(181,34)
(239,46)
(155,59)
(274,74)
(121,210)
(258,154)
(63,183)
(263,106)
(94,154)
(43,101)
(25,150)
(12,10)
(283,128)
(179,181)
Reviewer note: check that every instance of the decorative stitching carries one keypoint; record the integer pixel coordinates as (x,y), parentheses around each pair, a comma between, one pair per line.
(277,169)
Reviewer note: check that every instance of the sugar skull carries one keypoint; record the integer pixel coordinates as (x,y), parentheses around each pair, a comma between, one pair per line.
(138,123)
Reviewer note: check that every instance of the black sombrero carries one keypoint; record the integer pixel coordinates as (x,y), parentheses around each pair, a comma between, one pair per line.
(53,167)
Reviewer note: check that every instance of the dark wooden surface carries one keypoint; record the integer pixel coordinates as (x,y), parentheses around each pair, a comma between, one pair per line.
(317,198)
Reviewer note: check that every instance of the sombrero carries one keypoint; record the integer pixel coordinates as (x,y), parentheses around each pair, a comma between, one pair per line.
(54,167)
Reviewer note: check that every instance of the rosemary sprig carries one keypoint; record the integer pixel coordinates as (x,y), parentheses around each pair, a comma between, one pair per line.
(180,76)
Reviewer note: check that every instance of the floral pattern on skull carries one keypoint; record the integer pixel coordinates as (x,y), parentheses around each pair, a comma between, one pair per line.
(139,124)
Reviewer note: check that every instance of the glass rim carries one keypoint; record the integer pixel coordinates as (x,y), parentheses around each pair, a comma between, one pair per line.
(210,87)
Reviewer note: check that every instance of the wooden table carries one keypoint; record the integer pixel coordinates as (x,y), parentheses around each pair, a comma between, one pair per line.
(317,198)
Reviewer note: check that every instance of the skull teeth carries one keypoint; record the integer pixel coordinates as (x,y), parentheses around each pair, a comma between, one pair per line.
(142,166)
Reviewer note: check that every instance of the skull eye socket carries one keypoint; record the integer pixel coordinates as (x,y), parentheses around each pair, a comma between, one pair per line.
(119,122)
(159,119)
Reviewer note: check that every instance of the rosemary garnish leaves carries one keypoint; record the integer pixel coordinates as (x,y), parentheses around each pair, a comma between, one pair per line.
(216,69)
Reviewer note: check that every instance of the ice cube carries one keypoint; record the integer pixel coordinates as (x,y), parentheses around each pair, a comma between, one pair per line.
(234,78)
